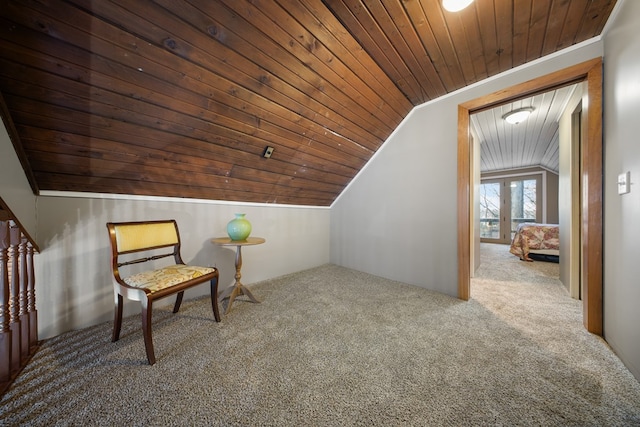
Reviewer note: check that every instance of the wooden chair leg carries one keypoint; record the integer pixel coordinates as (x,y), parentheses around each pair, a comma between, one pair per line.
(146,330)
(176,307)
(214,299)
(117,319)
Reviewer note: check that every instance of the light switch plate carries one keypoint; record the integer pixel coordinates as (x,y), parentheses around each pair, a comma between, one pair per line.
(624,183)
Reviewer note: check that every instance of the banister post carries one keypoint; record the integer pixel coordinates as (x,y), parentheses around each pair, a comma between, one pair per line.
(22,299)
(14,302)
(31,299)
(5,331)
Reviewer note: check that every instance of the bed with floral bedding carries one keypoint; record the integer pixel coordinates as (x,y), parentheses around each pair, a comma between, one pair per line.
(532,238)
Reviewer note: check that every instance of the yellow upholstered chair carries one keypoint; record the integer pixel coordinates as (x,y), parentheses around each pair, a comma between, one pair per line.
(154,238)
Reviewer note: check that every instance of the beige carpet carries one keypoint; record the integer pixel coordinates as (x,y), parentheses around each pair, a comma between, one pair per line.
(332,347)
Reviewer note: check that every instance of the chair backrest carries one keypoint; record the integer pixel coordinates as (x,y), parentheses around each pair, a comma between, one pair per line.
(131,237)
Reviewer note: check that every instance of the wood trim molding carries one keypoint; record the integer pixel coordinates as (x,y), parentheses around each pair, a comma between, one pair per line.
(464,204)
(566,76)
(592,232)
(592,206)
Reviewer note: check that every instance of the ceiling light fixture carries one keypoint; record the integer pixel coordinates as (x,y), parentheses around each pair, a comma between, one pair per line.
(455,5)
(516,116)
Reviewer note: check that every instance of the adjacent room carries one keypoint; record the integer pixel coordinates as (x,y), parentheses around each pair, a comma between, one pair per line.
(518,149)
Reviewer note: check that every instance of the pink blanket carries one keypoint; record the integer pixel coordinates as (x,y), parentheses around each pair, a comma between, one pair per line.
(530,236)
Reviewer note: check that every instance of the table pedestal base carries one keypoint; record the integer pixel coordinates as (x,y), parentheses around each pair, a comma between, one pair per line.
(235,291)
(232,292)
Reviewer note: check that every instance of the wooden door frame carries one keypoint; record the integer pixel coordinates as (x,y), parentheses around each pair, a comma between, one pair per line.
(591,155)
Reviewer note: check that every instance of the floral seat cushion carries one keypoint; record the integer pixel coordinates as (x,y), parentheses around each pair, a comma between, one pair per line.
(156,280)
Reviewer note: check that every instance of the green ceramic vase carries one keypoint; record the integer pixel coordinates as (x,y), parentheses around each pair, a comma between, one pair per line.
(239,228)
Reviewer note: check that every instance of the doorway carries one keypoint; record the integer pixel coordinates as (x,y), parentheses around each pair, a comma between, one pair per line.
(591,178)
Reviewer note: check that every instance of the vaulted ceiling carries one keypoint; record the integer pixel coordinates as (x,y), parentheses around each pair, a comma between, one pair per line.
(181,98)
(533,142)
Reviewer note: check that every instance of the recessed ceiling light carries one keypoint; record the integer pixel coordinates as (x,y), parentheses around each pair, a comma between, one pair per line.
(455,5)
(516,116)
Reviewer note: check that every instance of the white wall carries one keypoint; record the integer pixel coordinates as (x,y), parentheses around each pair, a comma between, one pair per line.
(14,186)
(622,212)
(397,219)
(74,282)
(393,219)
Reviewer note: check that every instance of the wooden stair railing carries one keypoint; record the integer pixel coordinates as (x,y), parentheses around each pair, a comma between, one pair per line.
(18,314)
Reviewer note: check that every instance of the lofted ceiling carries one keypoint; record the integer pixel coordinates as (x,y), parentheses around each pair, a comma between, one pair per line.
(533,142)
(181,98)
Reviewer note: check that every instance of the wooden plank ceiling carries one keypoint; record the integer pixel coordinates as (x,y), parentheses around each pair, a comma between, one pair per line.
(181,98)
(534,142)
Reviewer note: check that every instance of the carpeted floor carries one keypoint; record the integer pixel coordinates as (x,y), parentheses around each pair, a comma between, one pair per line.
(331,347)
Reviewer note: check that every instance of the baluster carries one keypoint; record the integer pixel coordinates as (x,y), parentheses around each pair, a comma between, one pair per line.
(18,315)
(31,300)
(22,299)
(14,319)
(5,331)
